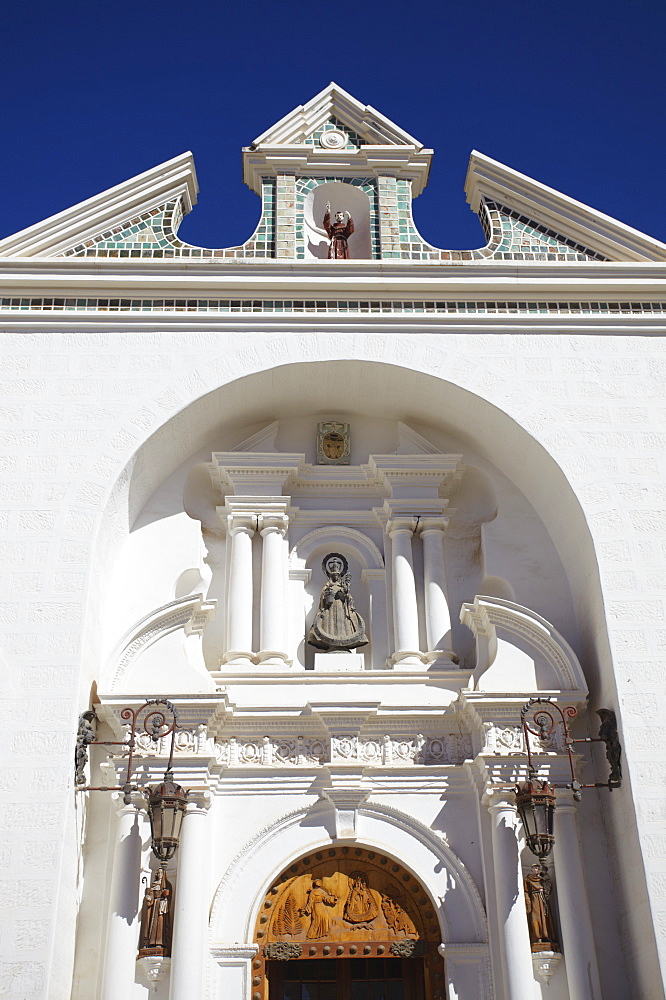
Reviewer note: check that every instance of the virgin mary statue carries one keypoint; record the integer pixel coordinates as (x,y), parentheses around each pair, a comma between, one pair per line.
(337,624)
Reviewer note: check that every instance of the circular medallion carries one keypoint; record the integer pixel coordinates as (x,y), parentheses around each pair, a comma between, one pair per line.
(332,139)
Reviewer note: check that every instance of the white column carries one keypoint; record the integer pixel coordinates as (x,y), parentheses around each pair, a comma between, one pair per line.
(375,581)
(273,613)
(189,950)
(123,926)
(240,598)
(575,921)
(511,913)
(437,615)
(468,973)
(405,609)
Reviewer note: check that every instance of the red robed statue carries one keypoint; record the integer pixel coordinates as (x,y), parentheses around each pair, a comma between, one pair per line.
(338,233)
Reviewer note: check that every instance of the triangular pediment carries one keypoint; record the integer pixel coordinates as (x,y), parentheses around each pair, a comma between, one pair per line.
(365,123)
(142,202)
(534,212)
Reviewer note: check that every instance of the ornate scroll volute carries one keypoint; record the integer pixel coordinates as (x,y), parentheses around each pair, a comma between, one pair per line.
(344,902)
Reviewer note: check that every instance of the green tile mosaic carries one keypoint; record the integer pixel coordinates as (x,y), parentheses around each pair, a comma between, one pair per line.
(331,306)
(153,234)
(280,232)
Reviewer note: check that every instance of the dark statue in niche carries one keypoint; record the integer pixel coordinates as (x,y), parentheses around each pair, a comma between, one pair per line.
(155,934)
(538,887)
(338,233)
(337,624)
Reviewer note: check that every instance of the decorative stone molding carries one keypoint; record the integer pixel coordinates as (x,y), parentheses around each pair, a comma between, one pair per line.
(152,970)
(346,801)
(305,751)
(333,535)
(486,614)
(191,613)
(545,963)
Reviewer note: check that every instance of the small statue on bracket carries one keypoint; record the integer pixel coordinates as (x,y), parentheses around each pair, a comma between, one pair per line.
(155,934)
(337,624)
(338,233)
(538,888)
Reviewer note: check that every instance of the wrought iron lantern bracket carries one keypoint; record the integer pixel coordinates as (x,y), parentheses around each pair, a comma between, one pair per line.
(167,801)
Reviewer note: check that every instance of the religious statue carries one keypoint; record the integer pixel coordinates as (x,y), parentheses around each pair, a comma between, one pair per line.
(337,624)
(538,888)
(315,908)
(361,907)
(338,233)
(155,934)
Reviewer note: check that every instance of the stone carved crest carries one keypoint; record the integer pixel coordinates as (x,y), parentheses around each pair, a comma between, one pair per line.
(333,443)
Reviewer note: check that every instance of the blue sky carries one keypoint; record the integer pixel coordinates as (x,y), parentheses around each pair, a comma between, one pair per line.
(570,93)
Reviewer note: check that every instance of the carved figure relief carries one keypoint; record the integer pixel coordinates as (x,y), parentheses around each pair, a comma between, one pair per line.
(337,624)
(345,902)
(361,907)
(315,908)
(155,933)
(538,888)
(347,895)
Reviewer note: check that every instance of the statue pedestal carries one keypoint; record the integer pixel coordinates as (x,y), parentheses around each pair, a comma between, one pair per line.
(336,662)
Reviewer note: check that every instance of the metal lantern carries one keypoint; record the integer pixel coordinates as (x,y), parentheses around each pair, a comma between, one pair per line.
(535,800)
(166,805)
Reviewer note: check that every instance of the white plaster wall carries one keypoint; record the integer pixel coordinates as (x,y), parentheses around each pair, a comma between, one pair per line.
(76,406)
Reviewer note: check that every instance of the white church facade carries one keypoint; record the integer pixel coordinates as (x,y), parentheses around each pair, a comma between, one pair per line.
(345,503)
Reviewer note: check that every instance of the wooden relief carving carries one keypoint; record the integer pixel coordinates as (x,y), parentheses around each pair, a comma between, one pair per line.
(346,894)
(348,903)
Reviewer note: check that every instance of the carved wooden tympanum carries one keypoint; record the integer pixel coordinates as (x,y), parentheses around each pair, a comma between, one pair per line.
(346,902)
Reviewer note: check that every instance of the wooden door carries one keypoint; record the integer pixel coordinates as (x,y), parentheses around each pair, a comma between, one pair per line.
(347,979)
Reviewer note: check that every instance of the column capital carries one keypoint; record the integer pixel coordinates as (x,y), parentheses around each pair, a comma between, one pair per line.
(199,800)
(401,523)
(432,523)
(273,522)
(565,802)
(500,800)
(240,522)
(137,803)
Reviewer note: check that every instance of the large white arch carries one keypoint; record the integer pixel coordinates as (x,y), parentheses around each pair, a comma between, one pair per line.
(455,896)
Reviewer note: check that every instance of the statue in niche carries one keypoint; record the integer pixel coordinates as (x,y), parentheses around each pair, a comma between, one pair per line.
(315,908)
(538,887)
(155,934)
(361,907)
(338,233)
(337,624)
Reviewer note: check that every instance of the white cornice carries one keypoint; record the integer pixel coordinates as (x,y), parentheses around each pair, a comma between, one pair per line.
(491,180)
(173,179)
(373,127)
(294,282)
(386,148)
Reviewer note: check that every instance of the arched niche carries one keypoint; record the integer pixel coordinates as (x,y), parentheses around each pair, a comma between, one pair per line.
(152,484)
(343,198)
(316,581)
(238,909)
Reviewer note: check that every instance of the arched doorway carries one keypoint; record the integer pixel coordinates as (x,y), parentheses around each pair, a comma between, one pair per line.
(347,923)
